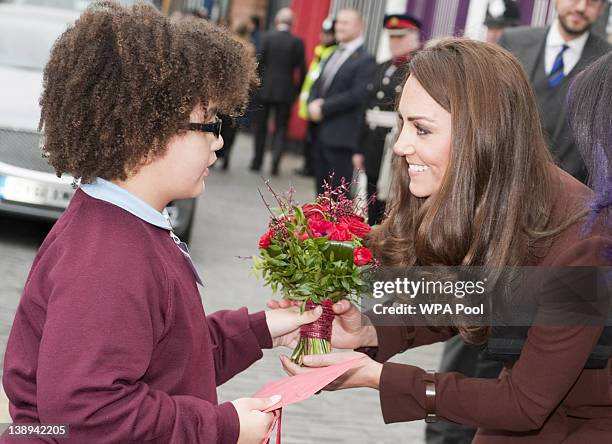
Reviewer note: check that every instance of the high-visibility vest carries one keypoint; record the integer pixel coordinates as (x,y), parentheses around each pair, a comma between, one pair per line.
(321,54)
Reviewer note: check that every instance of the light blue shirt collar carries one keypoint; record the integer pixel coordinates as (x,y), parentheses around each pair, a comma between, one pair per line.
(114,194)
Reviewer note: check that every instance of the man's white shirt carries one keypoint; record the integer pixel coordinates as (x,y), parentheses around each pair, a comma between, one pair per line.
(554,43)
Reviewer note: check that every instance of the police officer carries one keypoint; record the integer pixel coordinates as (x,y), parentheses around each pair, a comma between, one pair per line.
(380,115)
(501,14)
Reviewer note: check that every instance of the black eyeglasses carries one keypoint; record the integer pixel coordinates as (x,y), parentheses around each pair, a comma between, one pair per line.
(213,127)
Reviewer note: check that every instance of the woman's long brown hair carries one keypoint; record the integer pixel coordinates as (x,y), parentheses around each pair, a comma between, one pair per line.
(496,197)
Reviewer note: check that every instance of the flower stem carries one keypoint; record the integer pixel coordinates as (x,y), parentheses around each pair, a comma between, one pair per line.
(310,346)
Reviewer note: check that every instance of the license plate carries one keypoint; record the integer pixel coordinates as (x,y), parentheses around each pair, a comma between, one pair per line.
(17,189)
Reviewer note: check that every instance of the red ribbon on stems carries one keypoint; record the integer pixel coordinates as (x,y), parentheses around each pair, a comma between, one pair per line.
(322,327)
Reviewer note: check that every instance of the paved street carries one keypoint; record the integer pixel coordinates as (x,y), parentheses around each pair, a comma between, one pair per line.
(229,220)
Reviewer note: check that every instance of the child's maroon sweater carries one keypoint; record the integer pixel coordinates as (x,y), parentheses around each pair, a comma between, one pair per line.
(110,336)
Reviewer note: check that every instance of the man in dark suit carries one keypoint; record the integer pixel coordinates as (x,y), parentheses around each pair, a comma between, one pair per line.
(281,55)
(337,100)
(552,57)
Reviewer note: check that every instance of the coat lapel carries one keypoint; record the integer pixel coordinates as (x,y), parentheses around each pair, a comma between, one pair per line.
(533,48)
(593,49)
(345,65)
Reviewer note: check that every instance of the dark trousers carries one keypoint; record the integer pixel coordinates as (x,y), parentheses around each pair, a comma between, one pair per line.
(281,121)
(229,128)
(330,160)
(308,148)
(376,208)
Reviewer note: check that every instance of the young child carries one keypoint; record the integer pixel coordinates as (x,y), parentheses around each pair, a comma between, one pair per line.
(110,336)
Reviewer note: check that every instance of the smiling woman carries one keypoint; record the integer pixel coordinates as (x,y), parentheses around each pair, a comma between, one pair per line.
(425,140)
(461,152)
(475,185)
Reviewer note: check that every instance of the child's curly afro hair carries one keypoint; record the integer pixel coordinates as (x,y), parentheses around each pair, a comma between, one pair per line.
(122,81)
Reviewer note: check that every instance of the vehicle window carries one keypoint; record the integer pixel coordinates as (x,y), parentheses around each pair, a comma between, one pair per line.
(78,5)
(26,43)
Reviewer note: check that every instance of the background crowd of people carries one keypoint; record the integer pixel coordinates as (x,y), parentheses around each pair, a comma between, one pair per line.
(349,100)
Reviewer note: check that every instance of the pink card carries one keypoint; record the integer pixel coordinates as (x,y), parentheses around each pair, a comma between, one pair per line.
(301,387)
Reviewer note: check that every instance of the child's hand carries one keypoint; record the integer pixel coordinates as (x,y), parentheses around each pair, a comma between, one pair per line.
(254,424)
(284,324)
(350,328)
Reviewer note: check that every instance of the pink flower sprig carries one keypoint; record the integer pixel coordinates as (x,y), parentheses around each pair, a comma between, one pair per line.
(337,202)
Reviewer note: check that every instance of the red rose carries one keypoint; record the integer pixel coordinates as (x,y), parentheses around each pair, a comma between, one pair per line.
(362,256)
(264,242)
(340,232)
(356,225)
(320,227)
(313,212)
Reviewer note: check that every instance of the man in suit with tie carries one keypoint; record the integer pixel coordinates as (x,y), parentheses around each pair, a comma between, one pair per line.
(337,101)
(552,57)
(281,55)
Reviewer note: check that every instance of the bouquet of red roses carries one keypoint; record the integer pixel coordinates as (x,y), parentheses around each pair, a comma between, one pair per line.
(314,253)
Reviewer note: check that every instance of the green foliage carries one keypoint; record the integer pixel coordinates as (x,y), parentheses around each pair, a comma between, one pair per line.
(310,269)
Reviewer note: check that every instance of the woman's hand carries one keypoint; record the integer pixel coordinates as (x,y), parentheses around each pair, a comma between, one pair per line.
(284,324)
(365,374)
(350,328)
(254,423)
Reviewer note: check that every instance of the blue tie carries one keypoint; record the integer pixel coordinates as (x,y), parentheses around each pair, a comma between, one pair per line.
(556,74)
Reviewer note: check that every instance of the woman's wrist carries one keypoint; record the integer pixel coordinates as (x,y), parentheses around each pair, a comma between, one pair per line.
(374,370)
(369,336)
